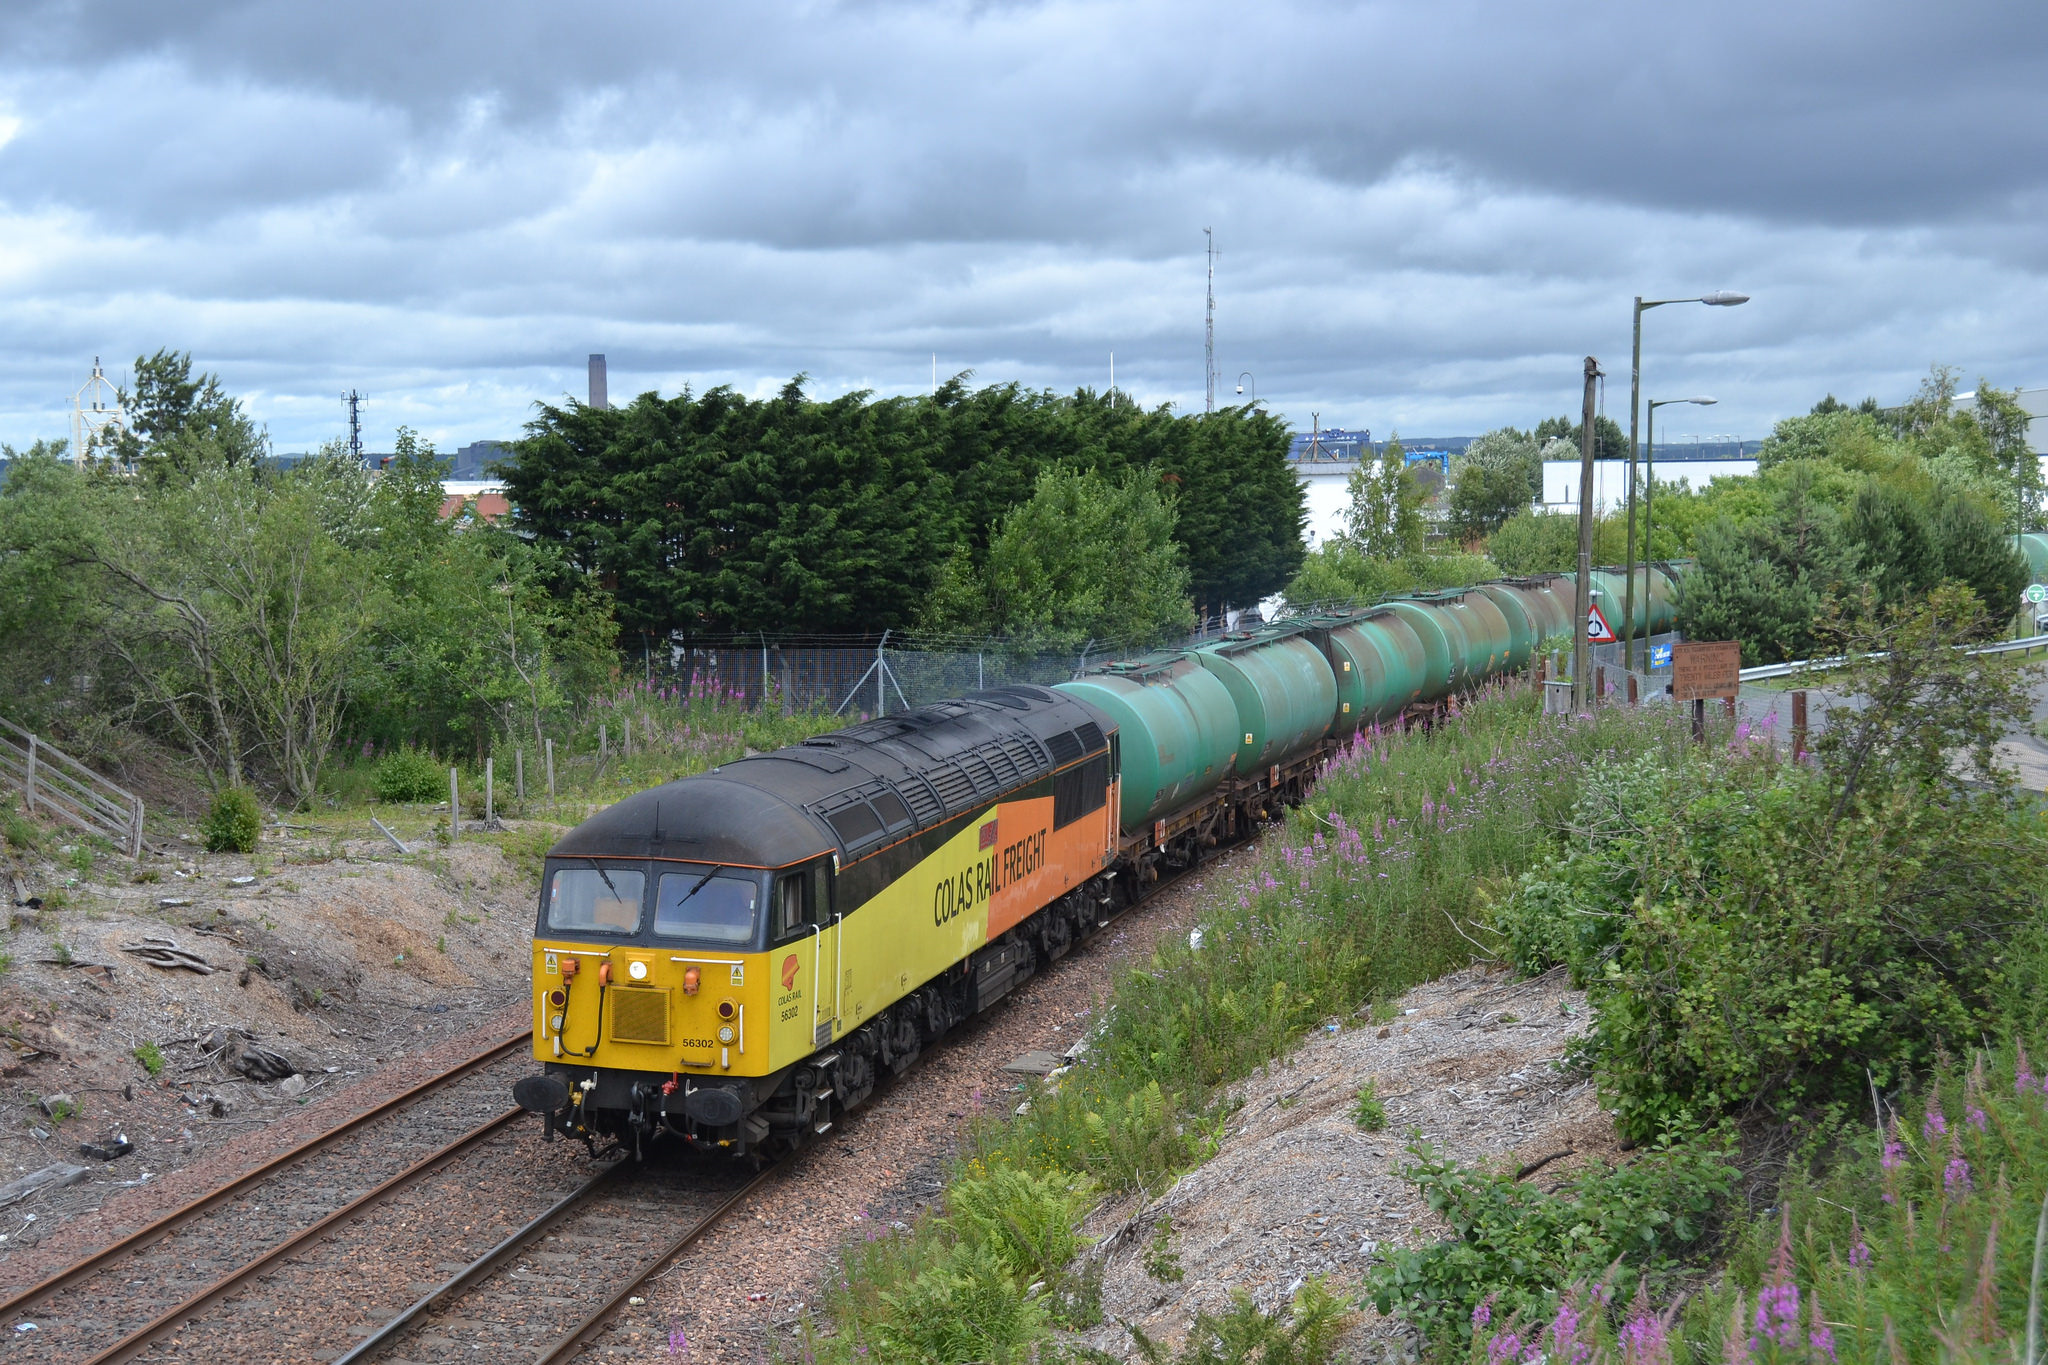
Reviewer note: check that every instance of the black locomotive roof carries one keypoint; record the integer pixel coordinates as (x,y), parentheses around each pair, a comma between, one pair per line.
(853,790)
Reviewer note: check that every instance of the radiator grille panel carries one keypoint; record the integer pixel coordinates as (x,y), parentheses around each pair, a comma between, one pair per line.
(640,1016)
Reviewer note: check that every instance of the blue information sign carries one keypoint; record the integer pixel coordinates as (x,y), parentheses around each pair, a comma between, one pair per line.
(1660,656)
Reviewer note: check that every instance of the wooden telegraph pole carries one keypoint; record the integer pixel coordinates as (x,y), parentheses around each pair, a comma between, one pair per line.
(1582,594)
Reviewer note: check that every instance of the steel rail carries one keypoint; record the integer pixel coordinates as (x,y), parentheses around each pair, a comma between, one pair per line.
(150,1232)
(142,1337)
(573,1341)
(1786,670)
(363,1349)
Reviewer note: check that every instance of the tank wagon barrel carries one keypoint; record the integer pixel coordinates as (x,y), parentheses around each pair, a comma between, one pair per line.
(734,959)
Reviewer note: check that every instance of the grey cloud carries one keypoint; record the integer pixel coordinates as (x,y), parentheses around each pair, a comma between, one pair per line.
(1427,214)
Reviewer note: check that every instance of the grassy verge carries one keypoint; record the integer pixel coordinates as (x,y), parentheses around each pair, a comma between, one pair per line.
(1379,883)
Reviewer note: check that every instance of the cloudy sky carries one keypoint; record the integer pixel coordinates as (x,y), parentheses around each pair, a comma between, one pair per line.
(1426,214)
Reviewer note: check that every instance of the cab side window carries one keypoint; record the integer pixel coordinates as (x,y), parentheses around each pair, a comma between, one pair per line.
(791,914)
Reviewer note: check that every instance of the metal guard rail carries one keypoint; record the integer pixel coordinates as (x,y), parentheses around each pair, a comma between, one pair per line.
(54,781)
(1762,671)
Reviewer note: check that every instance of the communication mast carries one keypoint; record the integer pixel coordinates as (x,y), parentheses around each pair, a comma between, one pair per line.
(96,411)
(1209,331)
(355,425)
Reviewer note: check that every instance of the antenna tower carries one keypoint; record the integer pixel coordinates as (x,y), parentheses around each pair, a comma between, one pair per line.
(1209,331)
(96,411)
(355,425)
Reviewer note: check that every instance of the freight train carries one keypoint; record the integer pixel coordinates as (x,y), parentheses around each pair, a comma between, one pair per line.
(735,959)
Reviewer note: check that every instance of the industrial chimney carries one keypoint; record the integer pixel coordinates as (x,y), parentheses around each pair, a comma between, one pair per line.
(597,392)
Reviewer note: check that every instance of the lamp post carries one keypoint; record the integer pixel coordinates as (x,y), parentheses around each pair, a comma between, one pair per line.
(1720,298)
(1244,375)
(1649,496)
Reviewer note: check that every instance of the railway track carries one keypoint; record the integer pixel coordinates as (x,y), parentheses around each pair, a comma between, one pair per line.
(111,1303)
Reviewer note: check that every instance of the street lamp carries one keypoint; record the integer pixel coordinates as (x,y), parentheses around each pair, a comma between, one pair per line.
(1720,298)
(1244,375)
(1649,496)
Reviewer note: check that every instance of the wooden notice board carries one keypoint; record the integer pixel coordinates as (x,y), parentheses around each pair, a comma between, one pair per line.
(1705,669)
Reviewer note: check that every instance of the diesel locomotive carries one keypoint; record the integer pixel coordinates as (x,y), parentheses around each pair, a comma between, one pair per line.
(735,959)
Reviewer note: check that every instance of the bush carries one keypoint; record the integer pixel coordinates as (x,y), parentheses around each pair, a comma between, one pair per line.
(232,823)
(19,831)
(405,775)
(151,1056)
(1515,1248)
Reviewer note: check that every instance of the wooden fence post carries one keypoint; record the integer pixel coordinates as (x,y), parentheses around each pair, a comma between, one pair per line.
(519,774)
(551,773)
(604,741)
(454,807)
(1799,723)
(490,794)
(29,788)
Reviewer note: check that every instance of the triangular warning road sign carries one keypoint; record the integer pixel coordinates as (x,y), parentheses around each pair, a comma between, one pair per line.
(1598,632)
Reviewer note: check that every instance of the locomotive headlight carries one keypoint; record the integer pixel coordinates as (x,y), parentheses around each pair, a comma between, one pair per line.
(725,1034)
(555,1023)
(637,970)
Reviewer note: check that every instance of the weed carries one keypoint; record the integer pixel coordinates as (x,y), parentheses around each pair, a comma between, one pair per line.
(81,860)
(20,831)
(61,953)
(1367,1111)
(1244,1335)
(151,1056)
(1162,1262)
(148,876)
(232,823)
(441,943)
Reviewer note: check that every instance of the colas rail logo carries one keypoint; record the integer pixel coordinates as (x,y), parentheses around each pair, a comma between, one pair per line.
(789,972)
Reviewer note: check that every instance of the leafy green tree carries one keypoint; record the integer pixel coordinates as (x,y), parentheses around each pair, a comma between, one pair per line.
(1337,572)
(1548,542)
(715,512)
(178,422)
(1610,442)
(1383,513)
(1085,557)
(1767,583)
(1500,474)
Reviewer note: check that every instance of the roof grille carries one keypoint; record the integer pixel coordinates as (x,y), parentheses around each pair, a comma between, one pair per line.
(954,786)
(925,806)
(1090,735)
(1066,747)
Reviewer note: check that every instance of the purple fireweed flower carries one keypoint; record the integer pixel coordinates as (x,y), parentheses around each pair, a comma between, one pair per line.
(1977,1118)
(1643,1341)
(2023,1075)
(1955,1177)
(1859,1250)
(678,1342)
(1483,1314)
(1934,1124)
(1504,1348)
(1777,1316)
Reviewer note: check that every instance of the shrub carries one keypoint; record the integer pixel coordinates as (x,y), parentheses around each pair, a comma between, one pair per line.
(232,823)
(1162,1262)
(409,775)
(1833,925)
(151,1056)
(1515,1248)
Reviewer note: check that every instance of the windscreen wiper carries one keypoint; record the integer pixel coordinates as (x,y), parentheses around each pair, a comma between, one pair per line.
(700,885)
(604,874)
